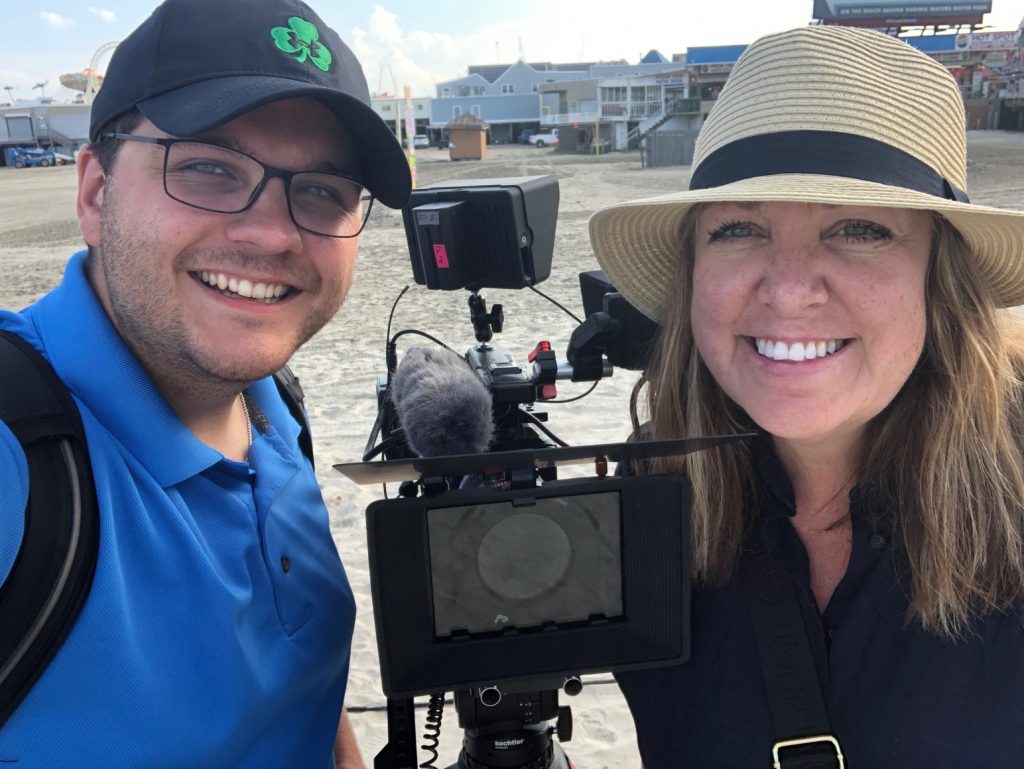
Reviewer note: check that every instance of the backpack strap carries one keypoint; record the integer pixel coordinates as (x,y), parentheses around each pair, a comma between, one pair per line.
(293,396)
(52,573)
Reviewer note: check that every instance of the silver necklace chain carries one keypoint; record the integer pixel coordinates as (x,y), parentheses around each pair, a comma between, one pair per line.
(248,418)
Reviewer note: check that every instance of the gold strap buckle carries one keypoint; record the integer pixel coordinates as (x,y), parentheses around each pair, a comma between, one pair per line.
(783,744)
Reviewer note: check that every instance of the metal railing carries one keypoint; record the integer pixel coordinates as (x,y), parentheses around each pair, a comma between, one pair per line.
(568,118)
(616,110)
(635,110)
(687,106)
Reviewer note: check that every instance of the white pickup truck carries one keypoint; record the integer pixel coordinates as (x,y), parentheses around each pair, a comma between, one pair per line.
(545,140)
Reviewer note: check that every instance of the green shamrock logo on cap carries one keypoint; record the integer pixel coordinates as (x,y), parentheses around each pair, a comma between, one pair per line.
(302,39)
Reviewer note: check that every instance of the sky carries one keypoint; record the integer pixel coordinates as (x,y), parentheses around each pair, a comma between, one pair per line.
(423,42)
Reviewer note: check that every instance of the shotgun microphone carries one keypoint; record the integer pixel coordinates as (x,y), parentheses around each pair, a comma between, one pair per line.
(441,404)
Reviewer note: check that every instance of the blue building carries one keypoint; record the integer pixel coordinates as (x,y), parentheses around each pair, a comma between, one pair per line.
(506,97)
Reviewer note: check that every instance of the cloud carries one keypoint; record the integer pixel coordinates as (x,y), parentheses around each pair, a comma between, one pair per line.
(103,13)
(415,58)
(56,21)
(384,26)
(421,57)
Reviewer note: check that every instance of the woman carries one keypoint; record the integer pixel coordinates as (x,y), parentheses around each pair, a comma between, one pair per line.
(826,283)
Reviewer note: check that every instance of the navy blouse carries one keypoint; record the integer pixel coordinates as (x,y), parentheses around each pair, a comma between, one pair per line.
(897,696)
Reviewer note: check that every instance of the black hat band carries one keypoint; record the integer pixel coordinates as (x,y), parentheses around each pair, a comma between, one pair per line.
(826,153)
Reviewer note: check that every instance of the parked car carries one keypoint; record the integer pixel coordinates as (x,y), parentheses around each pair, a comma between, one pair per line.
(524,136)
(545,140)
(420,140)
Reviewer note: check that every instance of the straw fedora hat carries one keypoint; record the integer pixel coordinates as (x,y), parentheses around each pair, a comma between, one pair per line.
(823,115)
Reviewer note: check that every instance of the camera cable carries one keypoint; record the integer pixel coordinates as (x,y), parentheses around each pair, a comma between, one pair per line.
(561,307)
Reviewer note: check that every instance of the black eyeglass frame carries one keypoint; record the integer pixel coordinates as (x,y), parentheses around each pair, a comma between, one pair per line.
(269,172)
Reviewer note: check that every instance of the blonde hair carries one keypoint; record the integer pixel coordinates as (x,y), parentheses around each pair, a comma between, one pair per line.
(943,461)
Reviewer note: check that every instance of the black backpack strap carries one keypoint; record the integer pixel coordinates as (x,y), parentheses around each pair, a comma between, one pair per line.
(291,391)
(52,573)
(803,732)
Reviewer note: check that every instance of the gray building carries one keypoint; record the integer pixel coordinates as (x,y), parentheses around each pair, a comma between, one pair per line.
(391,108)
(65,127)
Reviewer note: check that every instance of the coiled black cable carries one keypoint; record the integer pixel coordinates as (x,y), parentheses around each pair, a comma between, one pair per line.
(432,729)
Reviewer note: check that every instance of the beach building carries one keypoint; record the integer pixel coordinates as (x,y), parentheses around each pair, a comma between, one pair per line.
(42,123)
(709,67)
(468,138)
(505,96)
(616,105)
(392,110)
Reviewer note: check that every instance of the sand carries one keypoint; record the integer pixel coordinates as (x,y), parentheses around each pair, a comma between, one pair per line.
(338,369)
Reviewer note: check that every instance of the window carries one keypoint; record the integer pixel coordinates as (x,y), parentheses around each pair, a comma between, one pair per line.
(419,107)
(478,90)
(446,92)
(508,88)
(456,111)
(534,88)
(385,107)
(475,109)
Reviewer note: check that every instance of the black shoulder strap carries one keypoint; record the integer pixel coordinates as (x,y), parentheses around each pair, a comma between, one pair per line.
(804,737)
(291,391)
(52,574)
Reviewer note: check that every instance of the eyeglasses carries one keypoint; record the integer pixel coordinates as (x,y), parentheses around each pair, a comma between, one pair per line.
(215,178)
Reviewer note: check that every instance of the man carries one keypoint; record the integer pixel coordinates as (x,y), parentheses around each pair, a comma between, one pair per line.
(232,145)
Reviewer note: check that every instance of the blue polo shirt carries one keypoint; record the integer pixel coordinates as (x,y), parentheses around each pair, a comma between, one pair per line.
(898,697)
(218,628)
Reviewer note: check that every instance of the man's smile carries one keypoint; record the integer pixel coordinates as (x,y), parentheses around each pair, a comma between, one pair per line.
(233,286)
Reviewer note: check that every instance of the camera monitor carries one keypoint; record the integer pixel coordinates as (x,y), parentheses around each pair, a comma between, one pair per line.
(482,233)
(479,587)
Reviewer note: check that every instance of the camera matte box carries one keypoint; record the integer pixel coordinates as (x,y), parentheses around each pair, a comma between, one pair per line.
(609,588)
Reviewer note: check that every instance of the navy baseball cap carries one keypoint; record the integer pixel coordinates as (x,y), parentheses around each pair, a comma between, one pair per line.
(196,64)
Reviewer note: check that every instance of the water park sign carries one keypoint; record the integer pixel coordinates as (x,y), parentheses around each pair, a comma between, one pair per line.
(884,13)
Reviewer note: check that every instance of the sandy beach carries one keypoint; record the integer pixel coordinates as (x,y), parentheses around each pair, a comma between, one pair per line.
(338,369)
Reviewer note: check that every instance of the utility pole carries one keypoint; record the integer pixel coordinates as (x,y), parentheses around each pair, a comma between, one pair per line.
(396,97)
(42,89)
(10,94)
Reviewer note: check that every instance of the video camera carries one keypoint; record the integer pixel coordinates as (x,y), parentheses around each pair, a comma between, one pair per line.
(491,577)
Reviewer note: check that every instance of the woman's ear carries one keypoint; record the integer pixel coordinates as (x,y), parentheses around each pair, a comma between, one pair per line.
(92,180)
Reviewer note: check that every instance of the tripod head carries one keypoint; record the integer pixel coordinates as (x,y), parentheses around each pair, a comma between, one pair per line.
(503,729)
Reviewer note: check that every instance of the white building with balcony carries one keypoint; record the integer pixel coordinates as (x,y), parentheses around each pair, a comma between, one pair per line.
(618,104)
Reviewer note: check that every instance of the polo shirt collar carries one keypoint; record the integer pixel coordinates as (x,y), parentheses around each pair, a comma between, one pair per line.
(102,372)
